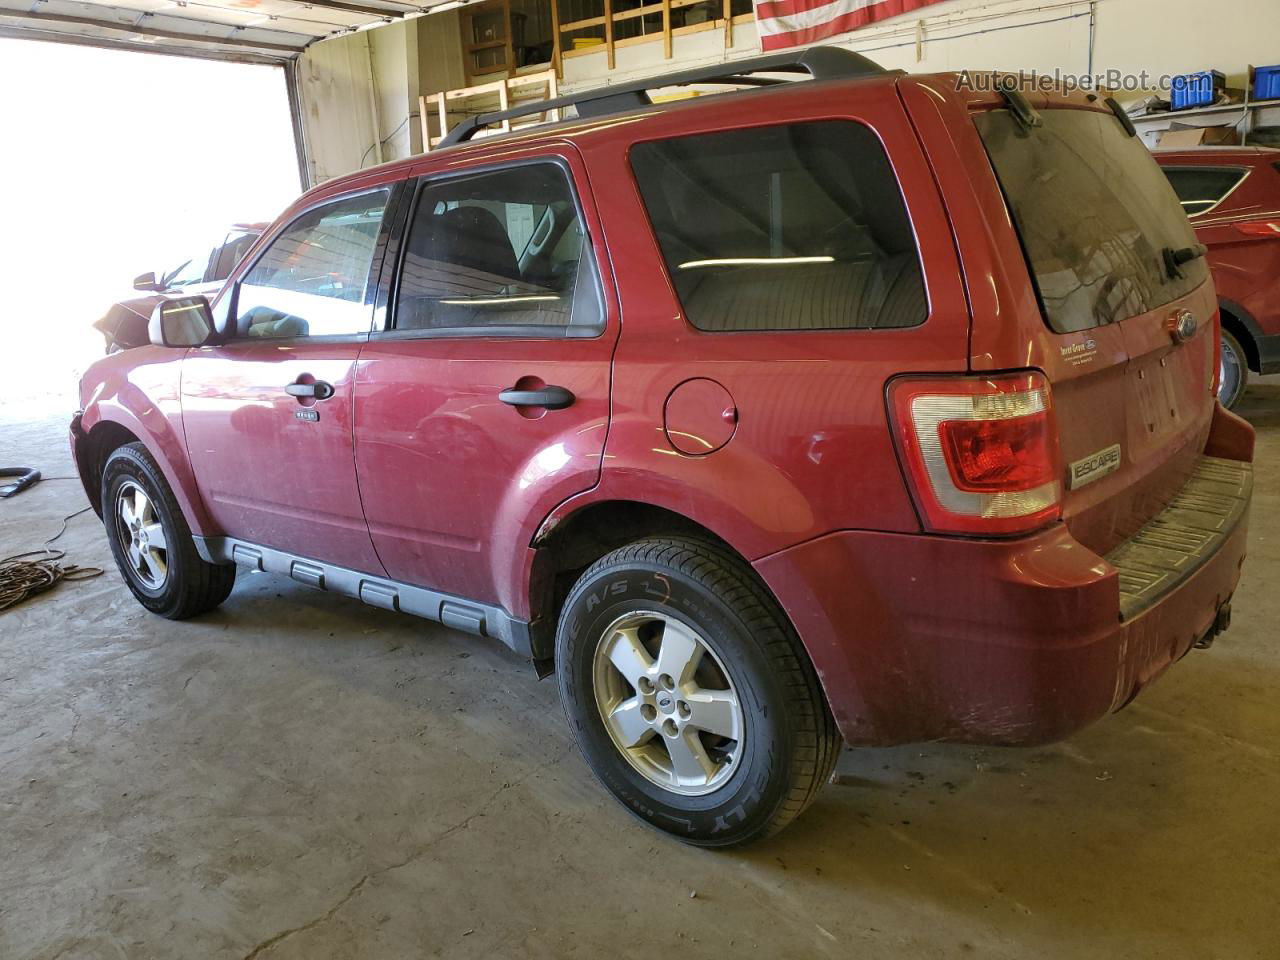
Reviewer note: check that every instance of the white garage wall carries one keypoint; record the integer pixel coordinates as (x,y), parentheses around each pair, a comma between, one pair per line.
(1157,36)
(336,99)
(354,86)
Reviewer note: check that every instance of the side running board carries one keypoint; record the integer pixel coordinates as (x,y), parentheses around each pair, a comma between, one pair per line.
(456,612)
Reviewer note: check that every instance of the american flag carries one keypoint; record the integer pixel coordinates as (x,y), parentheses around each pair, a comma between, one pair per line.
(795,23)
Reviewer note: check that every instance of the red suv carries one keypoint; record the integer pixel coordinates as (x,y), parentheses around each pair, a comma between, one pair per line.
(1232,195)
(864,408)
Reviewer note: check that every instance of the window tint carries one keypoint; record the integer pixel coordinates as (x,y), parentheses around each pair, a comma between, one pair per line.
(1201,188)
(312,279)
(1094,214)
(798,227)
(499,250)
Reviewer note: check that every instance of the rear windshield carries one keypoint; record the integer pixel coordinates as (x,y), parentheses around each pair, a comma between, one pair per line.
(1094,213)
(794,227)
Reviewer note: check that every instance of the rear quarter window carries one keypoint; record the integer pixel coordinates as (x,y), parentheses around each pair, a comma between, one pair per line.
(788,227)
(1200,189)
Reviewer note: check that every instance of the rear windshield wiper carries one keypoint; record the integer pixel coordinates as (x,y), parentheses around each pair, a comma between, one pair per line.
(1175,257)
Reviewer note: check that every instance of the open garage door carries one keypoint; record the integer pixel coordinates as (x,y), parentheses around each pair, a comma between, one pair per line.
(249,31)
(255,30)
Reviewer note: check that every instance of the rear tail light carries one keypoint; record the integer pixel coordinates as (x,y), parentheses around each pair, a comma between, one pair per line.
(1260,228)
(981,454)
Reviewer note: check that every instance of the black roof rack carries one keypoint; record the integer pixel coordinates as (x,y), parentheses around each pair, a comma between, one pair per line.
(820,63)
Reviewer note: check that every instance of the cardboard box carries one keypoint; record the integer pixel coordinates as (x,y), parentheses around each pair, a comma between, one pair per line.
(1180,136)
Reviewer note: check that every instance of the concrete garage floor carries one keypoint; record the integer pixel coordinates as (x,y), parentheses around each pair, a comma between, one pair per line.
(297,775)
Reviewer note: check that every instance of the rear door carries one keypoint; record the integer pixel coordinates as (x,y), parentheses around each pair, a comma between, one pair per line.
(486,401)
(268,412)
(1132,376)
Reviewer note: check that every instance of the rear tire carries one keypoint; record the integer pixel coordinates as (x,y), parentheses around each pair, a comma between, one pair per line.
(714,728)
(1233,372)
(151,541)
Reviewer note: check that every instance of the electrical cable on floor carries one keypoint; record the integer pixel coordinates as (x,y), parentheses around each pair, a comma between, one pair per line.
(22,578)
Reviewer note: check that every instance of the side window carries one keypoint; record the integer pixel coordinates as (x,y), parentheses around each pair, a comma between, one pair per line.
(232,252)
(1202,188)
(499,253)
(312,279)
(795,227)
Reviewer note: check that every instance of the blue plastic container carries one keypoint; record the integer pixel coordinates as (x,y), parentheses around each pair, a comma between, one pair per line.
(1197,89)
(1266,83)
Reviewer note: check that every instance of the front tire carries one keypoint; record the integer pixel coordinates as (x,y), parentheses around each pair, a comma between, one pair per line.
(151,541)
(690,695)
(1233,372)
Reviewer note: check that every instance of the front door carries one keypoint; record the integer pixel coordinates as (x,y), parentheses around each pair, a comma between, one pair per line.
(486,403)
(268,413)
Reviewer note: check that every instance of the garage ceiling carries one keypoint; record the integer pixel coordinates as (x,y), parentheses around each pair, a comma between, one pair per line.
(267,31)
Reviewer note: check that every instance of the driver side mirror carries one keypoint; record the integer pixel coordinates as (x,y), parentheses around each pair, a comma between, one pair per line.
(147,281)
(181,322)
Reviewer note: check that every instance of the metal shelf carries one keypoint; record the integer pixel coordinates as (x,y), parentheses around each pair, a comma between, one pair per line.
(1244,116)
(1207,111)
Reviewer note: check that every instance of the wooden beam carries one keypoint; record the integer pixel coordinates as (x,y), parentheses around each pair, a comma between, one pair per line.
(423,124)
(727,14)
(556,65)
(608,32)
(507,32)
(666,29)
(552,93)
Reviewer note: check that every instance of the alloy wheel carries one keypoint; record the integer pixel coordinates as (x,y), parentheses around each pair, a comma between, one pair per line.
(668,703)
(1230,371)
(142,536)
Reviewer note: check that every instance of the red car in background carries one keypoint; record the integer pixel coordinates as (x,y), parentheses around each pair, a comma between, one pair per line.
(1232,196)
(124,325)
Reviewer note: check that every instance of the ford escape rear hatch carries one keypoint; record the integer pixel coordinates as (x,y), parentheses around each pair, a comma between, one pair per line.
(1127,309)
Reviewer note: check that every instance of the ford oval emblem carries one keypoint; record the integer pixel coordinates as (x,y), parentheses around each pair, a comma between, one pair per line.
(1183,326)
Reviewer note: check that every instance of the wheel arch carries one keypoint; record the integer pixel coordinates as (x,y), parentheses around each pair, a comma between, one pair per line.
(105,437)
(112,431)
(567,545)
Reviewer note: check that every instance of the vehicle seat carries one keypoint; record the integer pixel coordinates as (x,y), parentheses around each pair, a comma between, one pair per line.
(861,294)
(473,238)
(465,253)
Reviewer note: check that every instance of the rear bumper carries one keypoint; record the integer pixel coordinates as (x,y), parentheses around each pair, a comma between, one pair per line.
(1021,641)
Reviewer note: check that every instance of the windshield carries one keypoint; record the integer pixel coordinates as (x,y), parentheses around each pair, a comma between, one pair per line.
(190,271)
(1095,216)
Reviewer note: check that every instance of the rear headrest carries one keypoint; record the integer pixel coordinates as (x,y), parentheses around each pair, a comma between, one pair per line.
(472,237)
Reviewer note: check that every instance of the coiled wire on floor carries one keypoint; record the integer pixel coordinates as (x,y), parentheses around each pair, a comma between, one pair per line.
(22,577)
